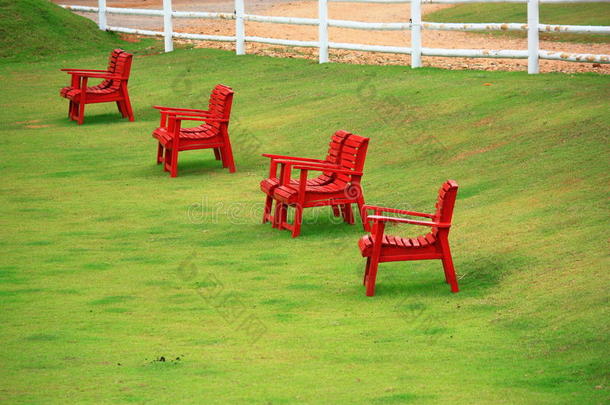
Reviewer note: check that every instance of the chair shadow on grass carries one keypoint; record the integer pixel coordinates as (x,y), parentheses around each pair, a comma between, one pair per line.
(93,119)
(477,276)
(200,164)
(433,287)
(323,225)
(405,279)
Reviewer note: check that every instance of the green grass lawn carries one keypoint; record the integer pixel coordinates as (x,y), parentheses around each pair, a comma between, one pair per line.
(565,14)
(105,270)
(109,265)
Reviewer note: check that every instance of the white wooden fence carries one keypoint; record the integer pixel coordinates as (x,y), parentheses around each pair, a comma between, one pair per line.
(533,53)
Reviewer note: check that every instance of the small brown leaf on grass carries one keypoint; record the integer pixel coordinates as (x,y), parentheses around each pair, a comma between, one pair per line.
(487,84)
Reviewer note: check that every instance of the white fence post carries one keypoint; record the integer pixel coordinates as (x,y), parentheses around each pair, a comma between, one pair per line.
(533,28)
(415,33)
(101,14)
(323,30)
(168,28)
(533,20)
(240,28)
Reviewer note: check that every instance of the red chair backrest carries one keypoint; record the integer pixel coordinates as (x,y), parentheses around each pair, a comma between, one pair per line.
(113,58)
(445,203)
(220,103)
(123,64)
(353,155)
(336,145)
(120,63)
(334,152)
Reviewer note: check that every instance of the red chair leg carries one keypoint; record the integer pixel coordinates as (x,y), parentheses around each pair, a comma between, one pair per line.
(159,153)
(127,104)
(121,107)
(217,153)
(348,215)
(73,110)
(167,161)
(450,277)
(281,213)
(372,276)
(223,160)
(366,270)
(298,218)
(174,164)
(377,236)
(226,154)
(276,215)
(360,203)
(448,268)
(267,211)
(336,211)
(81,113)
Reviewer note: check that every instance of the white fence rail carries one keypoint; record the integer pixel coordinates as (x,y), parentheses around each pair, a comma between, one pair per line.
(533,27)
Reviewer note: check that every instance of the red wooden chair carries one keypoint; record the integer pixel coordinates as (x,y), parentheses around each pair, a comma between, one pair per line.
(379,247)
(269,185)
(343,190)
(113,88)
(213,133)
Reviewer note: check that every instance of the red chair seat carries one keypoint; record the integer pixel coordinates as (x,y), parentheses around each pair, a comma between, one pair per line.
(74,94)
(289,194)
(268,185)
(69,92)
(202,132)
(366,243)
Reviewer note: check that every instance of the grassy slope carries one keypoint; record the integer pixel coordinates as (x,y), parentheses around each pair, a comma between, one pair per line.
(103,271)
(34,28)
(568,14)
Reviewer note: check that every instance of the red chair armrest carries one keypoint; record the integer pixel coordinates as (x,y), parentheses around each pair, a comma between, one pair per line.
(396,211)
(381,218)
(85,70)
(195,117)
(294,158)
(95,75)
(288,165)
(327,168)
(158,107)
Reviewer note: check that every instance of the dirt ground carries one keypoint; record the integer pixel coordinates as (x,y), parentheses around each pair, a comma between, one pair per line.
(349,11)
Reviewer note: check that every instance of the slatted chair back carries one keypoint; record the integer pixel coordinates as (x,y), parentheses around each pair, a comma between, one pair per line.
(334,153)
(118,62)
(113,59)
(445,203)
(335,146)
(221,101)
(123,65)
(353,155)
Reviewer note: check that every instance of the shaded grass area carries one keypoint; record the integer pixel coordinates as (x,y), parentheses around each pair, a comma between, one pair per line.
(119,284)
(563,14)
(31,29)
